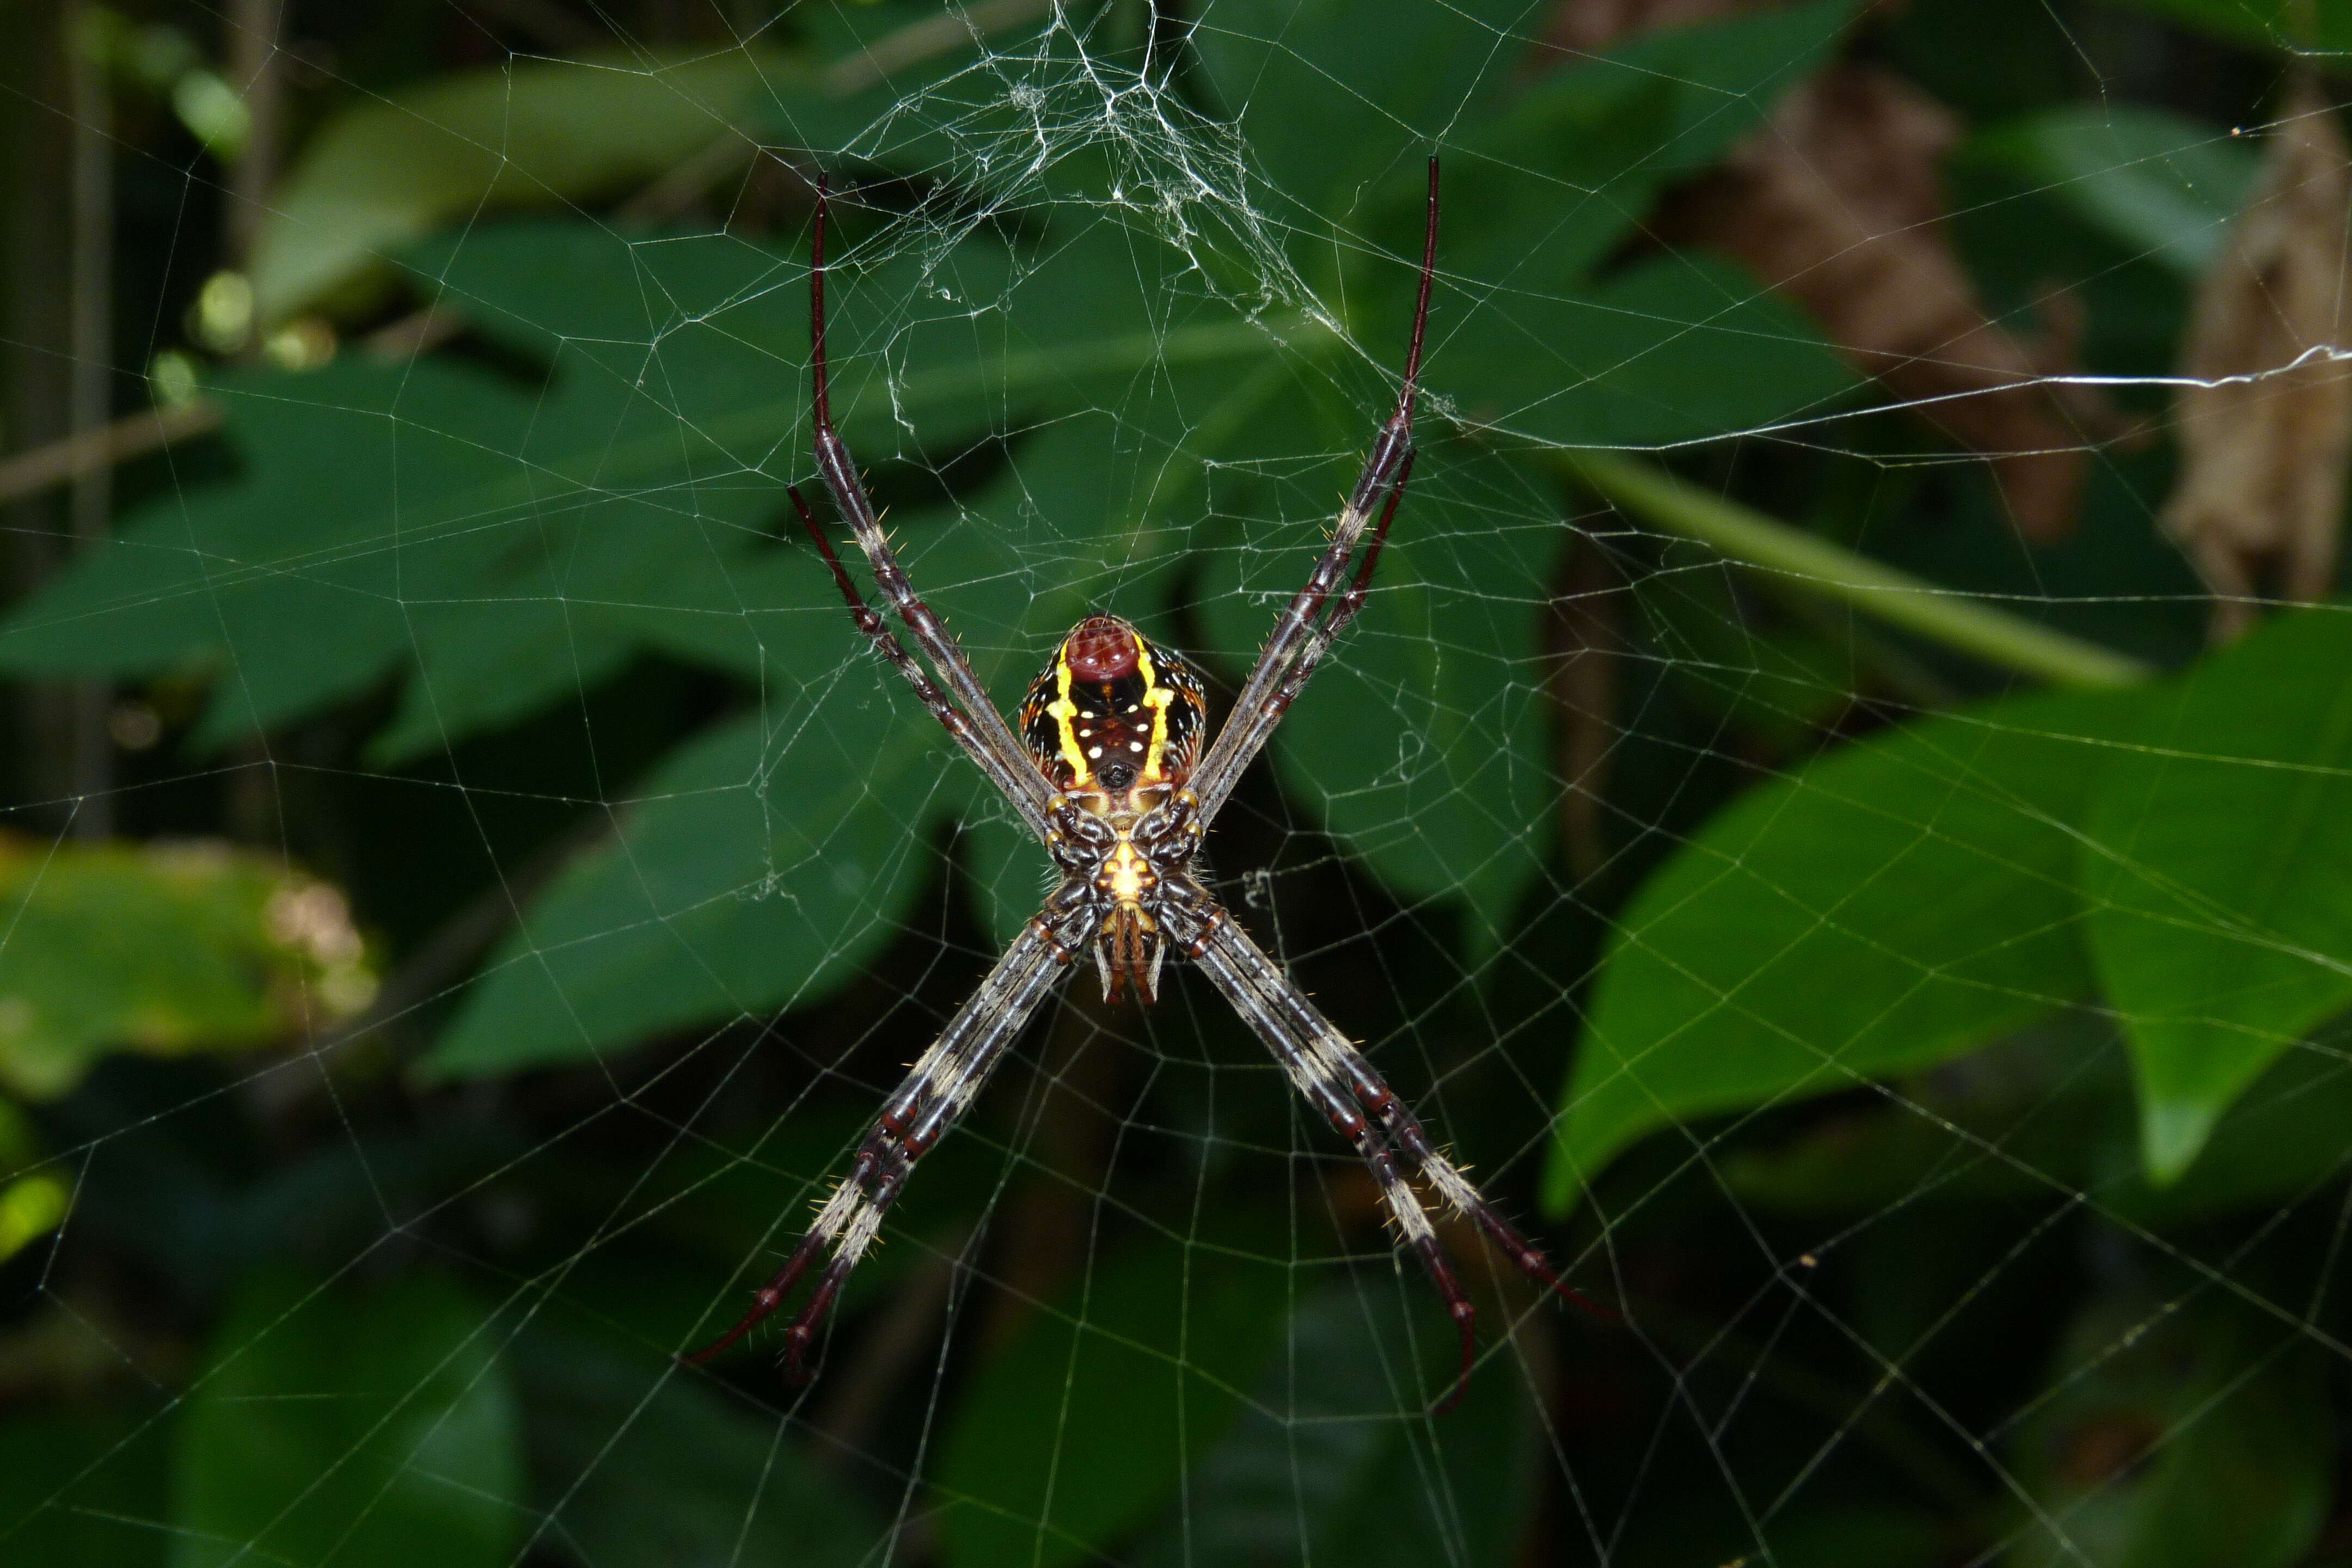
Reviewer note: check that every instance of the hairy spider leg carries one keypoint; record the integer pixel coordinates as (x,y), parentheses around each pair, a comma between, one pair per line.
(1326,1068)
(885,641)
(940,1088)
(1372,1091)
(984,737)
(1255,995)
(1255,727)
(1378,487)
(1330,1070)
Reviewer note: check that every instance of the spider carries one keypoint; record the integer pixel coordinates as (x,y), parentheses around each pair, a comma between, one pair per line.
(1109,770)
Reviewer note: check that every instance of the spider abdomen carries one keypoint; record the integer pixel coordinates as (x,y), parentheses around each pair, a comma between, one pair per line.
(1114,723)
(1114,715)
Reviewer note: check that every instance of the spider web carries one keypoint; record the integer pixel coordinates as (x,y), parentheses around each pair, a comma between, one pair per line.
(1760,828)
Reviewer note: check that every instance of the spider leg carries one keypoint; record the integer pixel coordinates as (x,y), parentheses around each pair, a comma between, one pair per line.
(1336,1078)
(942,1084)
(984,734)
(1252,727)
(1015,788)
(1248,990)
(1275,681)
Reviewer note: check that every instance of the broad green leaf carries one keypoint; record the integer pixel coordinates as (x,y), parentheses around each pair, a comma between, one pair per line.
(2309,30)
(1337,1460)
(83,1489)
(2217,866)
(367,485)
(534,132)
(160,949)
(351,1426)
(514,542)
(1898,902)
(1666,351)
(2157,184)
(1730,73)
(1423,739)
(2177,1436)
(1401,74)
(766,856)
(634,1465)
(1085,1423)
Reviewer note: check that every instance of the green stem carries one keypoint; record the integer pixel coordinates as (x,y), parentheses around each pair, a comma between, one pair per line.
(1942,614)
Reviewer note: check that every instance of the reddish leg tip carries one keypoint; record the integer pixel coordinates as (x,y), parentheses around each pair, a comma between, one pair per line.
(1466,1320)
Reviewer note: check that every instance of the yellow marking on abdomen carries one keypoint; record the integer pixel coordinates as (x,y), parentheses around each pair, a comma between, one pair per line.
(1063,711)
(1156,697)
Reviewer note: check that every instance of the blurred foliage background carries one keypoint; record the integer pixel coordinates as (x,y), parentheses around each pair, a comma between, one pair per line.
(1839,805)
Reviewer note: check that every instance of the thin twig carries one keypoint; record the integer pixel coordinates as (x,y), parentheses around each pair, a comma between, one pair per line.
(29,473)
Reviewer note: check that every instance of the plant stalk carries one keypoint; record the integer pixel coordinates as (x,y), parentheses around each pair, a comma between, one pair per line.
(1943,616)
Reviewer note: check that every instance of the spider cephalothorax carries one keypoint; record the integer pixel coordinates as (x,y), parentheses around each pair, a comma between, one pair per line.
(1109,772)
(1114,723)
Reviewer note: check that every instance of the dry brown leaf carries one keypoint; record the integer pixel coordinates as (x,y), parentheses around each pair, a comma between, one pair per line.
(1837,203)
(2260,501)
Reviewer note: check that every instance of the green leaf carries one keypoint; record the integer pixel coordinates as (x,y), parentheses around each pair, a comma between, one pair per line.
(2177,1436)
(535,133)
(1337,1460)
(1538,196)
(2288,1135)
(368,484)
(33,1202)
(515,542)
(1666,351)
(349,1426)
(160,949)
(634,1465)
(1086,1423)
(767,857)
(2157,184)
(1402,73)
(2217,865)
(1896,903)
(77,1489)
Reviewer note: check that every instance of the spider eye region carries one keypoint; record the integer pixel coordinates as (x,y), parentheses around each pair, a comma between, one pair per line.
(1113,713)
